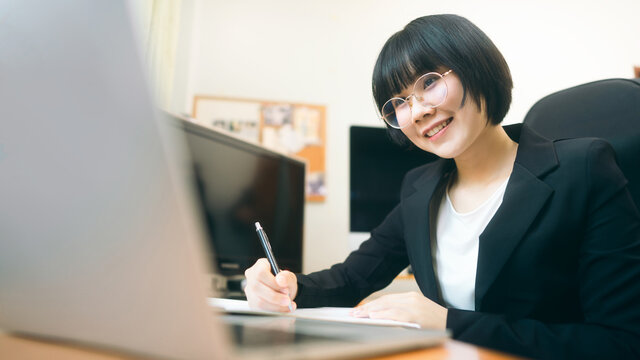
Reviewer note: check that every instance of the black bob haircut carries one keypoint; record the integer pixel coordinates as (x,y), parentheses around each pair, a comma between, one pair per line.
(439,43)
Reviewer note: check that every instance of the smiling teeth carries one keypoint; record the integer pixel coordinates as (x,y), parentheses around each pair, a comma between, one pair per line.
(437,129)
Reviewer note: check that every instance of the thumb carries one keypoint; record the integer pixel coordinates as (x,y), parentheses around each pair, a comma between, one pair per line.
(287,279)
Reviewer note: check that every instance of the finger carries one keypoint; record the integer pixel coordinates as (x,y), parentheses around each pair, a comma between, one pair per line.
(377,305)
(396,314)
(359,313)
(264,298)
(268,290)
(285,278)
(278,303)
(261,266)
(261,272)
(261,289)
(288,282)
(289,286)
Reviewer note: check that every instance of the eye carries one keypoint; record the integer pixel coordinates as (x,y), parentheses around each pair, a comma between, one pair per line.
(398,103)
(428,82)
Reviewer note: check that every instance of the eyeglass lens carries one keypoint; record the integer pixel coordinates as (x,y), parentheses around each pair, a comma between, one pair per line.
(429,90)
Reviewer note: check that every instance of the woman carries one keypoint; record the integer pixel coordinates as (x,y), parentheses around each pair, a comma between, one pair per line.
(517,242)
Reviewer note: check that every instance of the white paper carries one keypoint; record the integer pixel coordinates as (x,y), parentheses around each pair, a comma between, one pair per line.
(339,314)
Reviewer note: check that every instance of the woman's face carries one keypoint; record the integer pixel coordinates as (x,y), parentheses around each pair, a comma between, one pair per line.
(450,129)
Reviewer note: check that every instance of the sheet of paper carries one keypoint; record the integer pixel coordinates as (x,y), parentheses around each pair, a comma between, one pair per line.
(340,314)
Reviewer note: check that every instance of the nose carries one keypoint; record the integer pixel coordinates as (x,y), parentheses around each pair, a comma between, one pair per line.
(420,111)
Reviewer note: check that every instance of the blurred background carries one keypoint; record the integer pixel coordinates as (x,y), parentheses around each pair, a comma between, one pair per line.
(323,52)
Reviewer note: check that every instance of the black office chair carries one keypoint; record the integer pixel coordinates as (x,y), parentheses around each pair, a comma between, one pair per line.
(608,109)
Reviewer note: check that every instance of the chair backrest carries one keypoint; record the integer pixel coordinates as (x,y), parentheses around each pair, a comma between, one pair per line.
(608,109)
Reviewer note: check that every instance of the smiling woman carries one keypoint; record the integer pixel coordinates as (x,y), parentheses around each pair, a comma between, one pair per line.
(445,44)
(517,242)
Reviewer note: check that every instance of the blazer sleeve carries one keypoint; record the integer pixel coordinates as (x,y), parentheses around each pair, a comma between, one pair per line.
(371,267)
(609,283)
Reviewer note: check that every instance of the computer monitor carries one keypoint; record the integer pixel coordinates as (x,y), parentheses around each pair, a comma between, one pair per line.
(377,167)
(239,183)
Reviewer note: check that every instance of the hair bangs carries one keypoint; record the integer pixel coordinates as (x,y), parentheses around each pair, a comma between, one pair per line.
(401,61)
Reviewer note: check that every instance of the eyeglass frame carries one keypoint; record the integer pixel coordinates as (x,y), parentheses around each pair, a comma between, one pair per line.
(413,94)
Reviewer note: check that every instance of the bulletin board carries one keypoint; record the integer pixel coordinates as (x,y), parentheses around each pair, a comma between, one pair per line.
(292,128)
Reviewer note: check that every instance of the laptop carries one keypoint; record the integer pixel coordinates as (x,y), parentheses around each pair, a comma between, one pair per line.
(100,244)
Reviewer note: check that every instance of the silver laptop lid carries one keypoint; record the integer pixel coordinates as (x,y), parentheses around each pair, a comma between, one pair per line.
(97,239)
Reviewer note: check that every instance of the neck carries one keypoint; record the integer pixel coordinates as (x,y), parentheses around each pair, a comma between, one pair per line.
(489,159)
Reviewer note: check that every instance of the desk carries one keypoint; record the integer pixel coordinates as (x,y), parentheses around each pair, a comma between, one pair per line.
(19,348)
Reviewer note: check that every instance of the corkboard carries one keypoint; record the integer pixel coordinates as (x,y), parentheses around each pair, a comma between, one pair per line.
(293,128)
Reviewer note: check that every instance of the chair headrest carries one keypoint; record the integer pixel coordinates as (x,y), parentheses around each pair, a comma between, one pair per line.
(607,109)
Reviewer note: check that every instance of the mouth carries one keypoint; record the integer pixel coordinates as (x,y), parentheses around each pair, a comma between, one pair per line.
(437,129)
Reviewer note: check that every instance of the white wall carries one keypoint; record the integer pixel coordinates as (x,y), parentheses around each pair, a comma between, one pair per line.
(323,52)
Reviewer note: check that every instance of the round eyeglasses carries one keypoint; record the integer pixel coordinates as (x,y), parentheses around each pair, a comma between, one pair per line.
(430,90)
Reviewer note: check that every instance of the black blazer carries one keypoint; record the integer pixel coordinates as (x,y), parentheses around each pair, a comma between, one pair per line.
(558,272)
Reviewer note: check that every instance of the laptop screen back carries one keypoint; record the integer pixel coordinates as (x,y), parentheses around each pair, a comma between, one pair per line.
(97,238)
(99,241)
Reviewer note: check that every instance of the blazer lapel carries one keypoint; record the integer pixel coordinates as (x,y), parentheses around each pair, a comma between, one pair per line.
(524,197)
(418,228)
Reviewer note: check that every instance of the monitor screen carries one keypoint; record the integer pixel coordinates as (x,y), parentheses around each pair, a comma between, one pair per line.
(238,184)
(377,167)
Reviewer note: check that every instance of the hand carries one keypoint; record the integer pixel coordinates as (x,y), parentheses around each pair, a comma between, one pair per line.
(406,307)
(267,292)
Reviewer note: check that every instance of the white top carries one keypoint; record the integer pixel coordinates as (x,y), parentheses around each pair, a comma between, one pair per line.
(456,248)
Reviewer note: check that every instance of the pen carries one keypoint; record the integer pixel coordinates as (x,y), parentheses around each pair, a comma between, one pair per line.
(264,240)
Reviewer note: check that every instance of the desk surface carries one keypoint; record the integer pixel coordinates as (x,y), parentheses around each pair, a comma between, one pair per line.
(19,348)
